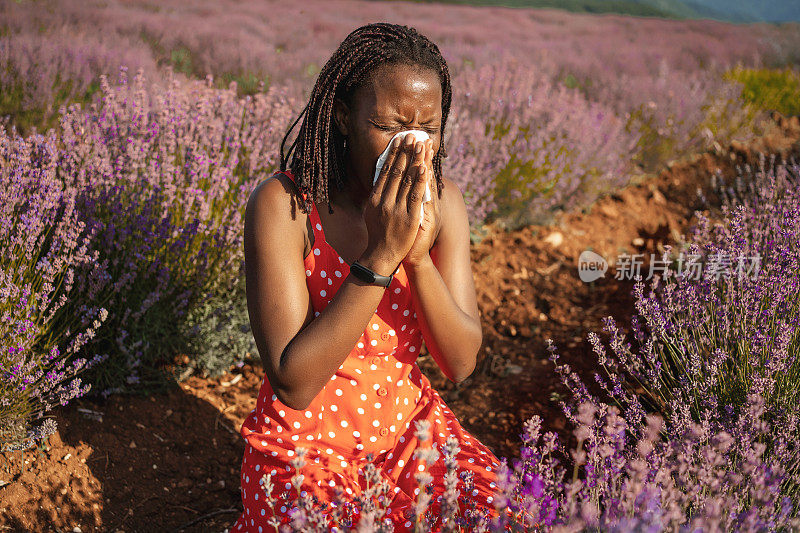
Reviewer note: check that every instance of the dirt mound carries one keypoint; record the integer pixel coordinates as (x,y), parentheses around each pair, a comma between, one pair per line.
(144,464)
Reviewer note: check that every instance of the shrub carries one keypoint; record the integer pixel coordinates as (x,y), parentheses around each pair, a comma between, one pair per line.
(161,178)
(710,334)
(42,243)
(769,89)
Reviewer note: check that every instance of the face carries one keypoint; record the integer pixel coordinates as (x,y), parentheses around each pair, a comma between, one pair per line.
(394,99)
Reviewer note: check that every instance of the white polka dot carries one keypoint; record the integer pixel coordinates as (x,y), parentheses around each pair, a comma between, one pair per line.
(399,416)
(359,446)
(421,468)
(405,313)
(290,453)
(322,293)
(274,397)
(344,464)
(338,274)
(344,423)
(394,306)
(360,344)
(334,407)
(308,272)
(322,273)
(373,367)
(392,332)
(373,438)
(412,349)
(398,364)
(339,392)
(296,424)
(316,251)
(377,405)
(282,412)
(376,423)
(403,329)
(397,290)
(360,411)
(363,397)
(331,434)
(318,226)
(373,342)
(308,414)
(329,450)
(353,382)
(356,434)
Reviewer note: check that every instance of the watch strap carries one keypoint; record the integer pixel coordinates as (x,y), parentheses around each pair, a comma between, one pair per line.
(369,276)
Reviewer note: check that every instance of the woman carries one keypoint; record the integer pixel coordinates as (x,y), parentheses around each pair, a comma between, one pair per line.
(339,349)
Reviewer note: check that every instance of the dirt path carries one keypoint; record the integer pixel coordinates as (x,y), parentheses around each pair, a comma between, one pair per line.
(159,463)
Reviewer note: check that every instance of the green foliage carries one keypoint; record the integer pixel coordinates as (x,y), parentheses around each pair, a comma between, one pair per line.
(219,332)
(769,89)
(19,109)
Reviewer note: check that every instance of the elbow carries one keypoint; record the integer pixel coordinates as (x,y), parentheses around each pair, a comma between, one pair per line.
(465,370)
(293,399)
(288,391)
(468,367)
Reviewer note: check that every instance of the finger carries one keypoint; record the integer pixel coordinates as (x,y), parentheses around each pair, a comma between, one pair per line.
(417,191)
(429,165)
(394,151)
(410,174)
(397,171)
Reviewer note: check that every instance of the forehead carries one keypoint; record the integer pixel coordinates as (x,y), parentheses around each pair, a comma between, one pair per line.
(401,90)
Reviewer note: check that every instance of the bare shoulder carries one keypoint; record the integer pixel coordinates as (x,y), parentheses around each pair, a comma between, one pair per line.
(280,196)
(274,204)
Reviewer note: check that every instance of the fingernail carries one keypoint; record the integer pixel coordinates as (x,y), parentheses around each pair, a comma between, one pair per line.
(419,148)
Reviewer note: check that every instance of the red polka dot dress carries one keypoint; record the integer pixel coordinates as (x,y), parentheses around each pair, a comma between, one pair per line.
(369,406)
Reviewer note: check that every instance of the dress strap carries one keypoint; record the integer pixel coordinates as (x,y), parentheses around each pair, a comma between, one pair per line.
(316,225)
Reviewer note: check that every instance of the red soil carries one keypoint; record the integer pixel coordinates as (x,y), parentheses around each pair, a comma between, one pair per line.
(162,462)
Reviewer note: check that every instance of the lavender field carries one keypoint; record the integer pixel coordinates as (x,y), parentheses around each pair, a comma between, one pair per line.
(133,133)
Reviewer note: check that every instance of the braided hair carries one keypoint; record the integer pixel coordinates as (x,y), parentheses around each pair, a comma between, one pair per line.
(319,157)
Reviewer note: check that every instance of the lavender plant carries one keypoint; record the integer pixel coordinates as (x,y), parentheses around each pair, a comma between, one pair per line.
(42,243)
(161,179)
(710,333)
(649,476)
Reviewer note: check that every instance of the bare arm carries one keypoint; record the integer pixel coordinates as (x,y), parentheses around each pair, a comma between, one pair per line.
(443,291)
(300,352)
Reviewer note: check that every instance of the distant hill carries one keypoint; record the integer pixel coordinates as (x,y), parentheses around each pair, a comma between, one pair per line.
(753,10)
(727,10)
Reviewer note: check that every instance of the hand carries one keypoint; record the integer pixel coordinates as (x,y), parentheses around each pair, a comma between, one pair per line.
(429,229)
(392,212)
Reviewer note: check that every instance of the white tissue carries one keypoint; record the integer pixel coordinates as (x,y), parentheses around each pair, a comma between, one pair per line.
(419,136)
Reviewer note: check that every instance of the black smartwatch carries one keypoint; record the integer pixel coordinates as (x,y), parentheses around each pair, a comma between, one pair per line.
(368,276)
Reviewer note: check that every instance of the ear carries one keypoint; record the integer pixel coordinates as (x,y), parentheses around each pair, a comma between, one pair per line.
(341,116)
